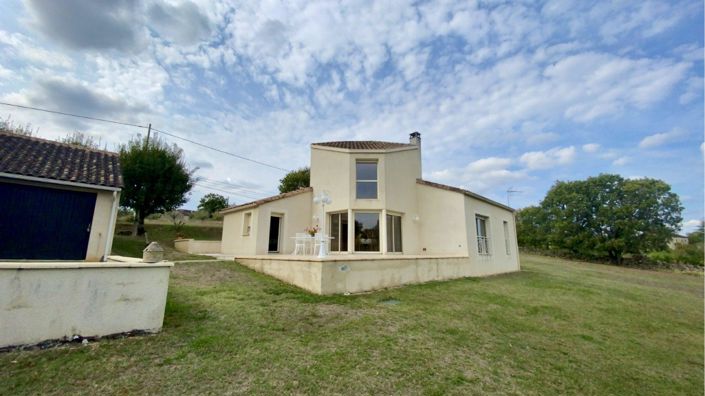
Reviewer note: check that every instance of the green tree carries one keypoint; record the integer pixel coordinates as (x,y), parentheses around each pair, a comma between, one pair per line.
(697,236)
(609,216)
(156,178)
(295,180)
(531,228)
(212,203)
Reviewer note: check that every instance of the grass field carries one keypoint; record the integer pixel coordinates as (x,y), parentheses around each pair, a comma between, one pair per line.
(557,327)
(164,234)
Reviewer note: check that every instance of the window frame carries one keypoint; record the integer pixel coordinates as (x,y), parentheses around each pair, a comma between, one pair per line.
(246,223)
(379,240)
(392,229)
(507,244)
(375,181)
(483,241)
(340,231)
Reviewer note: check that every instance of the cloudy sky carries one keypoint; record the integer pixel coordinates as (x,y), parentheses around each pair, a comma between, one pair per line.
(505,94)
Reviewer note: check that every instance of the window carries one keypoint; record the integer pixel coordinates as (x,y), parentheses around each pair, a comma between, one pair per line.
(507,246)
(394,233)
(367,232)
(246,223)
(366,179)
(483,240)
(339,232)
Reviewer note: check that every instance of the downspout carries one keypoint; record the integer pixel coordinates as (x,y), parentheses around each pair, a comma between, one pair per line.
(111,228)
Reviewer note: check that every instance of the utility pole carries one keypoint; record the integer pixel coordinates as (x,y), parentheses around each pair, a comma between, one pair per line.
(511,191)
(149,131)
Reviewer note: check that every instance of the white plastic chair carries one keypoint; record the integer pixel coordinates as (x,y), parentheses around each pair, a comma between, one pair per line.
(317,241)
(300,243)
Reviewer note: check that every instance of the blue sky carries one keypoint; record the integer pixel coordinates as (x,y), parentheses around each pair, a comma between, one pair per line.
(505,94)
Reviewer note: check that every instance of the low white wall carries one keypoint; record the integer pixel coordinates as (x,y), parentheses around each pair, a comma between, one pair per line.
(193,246)
(346,274)
(304,273)
(45,301)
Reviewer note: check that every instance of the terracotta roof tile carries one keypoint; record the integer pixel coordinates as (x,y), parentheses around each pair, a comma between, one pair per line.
(364,145)
(31,156)
(259,202)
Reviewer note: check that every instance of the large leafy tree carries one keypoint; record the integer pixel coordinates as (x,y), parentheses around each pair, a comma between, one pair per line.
(295,180)
(609,216)
(212,203)
(531,228)
(156,178)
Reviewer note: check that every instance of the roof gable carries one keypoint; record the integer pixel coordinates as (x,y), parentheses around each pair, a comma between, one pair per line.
(47,159)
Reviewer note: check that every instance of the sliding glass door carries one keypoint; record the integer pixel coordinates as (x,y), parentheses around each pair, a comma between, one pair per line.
(339,231)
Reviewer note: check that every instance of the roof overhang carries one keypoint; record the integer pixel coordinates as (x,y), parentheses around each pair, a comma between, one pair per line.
(57,182)
(363,151)
(464,192)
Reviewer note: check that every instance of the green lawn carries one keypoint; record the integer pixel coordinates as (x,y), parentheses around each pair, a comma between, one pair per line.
(164,234)
(557,327)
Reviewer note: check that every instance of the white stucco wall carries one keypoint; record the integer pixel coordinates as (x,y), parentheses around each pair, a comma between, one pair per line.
(233,239)
(442,226)
(102,225)
(45,301)
(194,246)
(498,261)
(296,215)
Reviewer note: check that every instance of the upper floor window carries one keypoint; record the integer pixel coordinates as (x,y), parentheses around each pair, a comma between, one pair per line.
(483,240)
(366,179)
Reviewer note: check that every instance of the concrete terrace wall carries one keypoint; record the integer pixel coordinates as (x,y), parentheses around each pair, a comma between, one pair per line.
(53,300)
(346,274)
(193,246)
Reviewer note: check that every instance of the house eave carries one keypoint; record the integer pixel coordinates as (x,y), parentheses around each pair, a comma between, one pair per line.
(58,182)
(363,151)
(464,192)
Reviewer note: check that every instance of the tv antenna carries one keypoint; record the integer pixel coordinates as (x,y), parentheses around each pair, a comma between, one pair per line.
(511,191)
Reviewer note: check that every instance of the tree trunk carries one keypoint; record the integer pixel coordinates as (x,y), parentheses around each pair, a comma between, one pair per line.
(138,228)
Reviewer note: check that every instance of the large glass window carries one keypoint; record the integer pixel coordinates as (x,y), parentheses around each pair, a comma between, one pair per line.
(483,240)
(339,232)
(394,233)
(367,232)
(366,179)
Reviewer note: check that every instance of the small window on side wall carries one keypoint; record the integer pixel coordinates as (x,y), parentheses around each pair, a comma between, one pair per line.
(483,239)
(246,223)
(366,179)
(507,244)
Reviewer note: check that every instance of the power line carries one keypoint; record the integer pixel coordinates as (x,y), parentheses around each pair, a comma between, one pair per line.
(73,115)
(145,127)
(225,191)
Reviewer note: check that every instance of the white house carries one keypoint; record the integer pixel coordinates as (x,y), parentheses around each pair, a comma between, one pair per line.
(387,225)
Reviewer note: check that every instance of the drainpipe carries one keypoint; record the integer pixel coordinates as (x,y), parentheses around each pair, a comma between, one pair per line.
(111,228)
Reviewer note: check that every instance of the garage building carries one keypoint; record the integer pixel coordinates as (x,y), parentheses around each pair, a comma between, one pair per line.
(57,201)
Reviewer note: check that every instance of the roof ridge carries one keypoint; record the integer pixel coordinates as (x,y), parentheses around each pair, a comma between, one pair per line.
(57,143)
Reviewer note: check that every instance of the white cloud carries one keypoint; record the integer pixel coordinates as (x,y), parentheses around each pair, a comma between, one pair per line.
(19,45)
(691,225)
(621,161)
(591,147)
(548,159)
(659,139)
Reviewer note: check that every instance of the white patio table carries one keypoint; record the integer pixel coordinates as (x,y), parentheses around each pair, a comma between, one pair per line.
(308,242)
